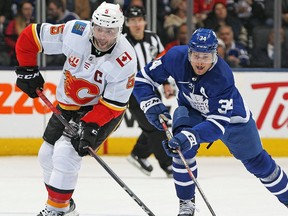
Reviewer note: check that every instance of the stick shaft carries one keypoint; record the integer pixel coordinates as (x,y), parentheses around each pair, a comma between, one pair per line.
(94,155)
(169,136)
(56,112)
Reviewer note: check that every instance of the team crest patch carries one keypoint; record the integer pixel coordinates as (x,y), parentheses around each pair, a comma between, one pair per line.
(78,27)
(73,61)
(123,59)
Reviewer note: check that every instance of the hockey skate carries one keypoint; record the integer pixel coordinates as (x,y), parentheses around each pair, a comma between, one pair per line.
(187,207)
(71,212)
(141,163)
(169,172)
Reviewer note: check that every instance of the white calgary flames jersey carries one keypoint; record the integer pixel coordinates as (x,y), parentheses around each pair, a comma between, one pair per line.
(88,78)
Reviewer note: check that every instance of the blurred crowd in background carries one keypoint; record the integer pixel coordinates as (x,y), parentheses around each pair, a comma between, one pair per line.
(244,27)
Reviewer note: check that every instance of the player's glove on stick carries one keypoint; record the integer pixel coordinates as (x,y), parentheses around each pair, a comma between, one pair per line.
(184,141)
(68,133)
(87,137)
(29,79)
(152,109)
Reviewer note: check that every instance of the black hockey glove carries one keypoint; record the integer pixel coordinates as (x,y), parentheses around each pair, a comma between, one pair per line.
(29,79)
(87,137)
(70,134)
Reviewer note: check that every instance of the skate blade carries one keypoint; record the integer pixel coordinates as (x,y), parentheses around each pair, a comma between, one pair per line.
(137,165)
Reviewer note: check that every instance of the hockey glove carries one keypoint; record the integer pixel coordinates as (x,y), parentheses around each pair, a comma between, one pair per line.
(29,79)
(68,133)
(152,109)
(87,137)
(184,141)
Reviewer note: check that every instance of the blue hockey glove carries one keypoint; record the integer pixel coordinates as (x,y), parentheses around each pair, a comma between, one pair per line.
(87,137)
(184,141)
(152,109)
(169,151)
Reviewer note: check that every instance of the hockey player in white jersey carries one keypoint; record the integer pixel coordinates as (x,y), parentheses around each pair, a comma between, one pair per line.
(97,80)
(210,108)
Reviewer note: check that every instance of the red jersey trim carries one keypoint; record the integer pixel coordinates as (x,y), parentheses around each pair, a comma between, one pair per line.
(36,38)
(27,46)
(102,114)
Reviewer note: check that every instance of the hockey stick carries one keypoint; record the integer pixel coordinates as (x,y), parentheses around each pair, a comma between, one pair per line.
(162,119)
(72,131)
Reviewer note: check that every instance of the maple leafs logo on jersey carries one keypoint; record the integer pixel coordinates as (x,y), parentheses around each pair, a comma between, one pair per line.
(123,59)
(198,102)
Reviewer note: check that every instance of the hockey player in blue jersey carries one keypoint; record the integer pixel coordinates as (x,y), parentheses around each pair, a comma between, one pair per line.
(210,108)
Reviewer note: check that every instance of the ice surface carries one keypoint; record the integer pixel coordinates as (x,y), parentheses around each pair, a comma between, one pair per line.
(229,188)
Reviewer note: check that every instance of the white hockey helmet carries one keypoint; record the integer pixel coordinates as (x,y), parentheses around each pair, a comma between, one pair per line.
(109,16)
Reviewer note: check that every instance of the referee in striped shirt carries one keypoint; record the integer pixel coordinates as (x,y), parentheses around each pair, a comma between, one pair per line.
(147,46)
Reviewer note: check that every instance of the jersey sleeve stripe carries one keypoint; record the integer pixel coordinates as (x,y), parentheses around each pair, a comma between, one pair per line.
(139,79)
(69,107)
(144,74)
(36,38)
(223,118)
(239,119)
(217,124)
(112,106)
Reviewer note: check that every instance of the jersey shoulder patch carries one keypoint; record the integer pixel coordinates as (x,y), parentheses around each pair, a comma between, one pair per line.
(78,28)
(123,59)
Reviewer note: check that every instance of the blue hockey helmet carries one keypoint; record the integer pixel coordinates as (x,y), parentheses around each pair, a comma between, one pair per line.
(203,40)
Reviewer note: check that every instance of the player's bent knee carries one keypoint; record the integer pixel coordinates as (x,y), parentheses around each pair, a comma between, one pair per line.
(261,166)
(183,117)
(45,155)
(67,164)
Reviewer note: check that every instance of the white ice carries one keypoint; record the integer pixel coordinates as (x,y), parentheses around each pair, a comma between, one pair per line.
(229,188)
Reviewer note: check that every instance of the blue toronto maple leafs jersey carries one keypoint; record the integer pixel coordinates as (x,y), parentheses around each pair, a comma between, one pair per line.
(213,94)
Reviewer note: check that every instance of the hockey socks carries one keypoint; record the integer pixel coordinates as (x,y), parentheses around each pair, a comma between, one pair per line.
(276,183)
(58,199)
(185,187)
(270,174)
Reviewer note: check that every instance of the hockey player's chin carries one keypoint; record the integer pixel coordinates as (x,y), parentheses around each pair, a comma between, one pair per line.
(103,46)
(200,70)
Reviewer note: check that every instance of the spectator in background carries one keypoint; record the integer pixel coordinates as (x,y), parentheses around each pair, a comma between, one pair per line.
(236,53)
(80,7)
(16,26)
(219,16)
(201,8)
(163,9)
(181,37)
(136,3)
(5,13)
(221,49)
(5,16)
(15,5)
(58,14)
(264,56)
(262,13)
(147,46)
(242,9)
(175,19)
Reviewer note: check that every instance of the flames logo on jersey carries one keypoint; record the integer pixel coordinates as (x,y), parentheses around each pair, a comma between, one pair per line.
(79,90)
